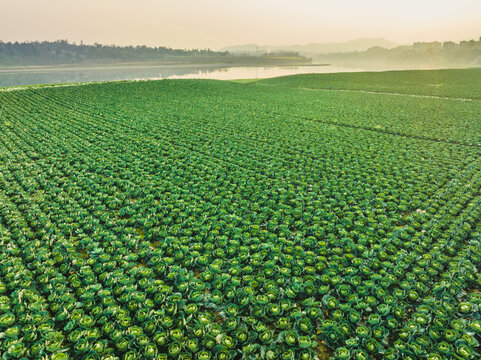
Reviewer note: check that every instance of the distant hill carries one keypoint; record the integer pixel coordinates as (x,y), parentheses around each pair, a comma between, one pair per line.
(314,48)
(420,55)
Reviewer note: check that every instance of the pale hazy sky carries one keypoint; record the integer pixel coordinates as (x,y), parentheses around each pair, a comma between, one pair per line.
(217,23)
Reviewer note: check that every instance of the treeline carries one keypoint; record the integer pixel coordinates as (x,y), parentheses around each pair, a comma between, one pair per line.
(63,52)
(420,54)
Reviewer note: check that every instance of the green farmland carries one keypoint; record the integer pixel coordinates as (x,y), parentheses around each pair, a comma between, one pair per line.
(296,218)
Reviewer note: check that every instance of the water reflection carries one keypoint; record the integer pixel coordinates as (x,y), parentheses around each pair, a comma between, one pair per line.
(259,72)
(74,74)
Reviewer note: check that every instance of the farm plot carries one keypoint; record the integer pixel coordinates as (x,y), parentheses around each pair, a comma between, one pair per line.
(215,220)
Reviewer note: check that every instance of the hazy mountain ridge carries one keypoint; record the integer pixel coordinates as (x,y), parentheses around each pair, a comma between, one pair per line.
(314,48)
(380,53)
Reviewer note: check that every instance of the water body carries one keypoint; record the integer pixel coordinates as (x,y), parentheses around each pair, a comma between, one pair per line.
(75,74)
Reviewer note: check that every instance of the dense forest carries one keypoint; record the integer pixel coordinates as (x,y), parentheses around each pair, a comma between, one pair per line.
(418,55)
(63,52)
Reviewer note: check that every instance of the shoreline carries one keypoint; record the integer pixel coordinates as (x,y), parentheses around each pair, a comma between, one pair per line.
(139,65)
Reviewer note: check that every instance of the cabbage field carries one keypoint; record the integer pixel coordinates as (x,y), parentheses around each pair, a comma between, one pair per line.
(213,220)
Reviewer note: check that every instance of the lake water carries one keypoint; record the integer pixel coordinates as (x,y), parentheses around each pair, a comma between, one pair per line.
(75,74)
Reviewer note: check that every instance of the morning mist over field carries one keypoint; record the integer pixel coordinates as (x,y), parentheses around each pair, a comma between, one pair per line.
(216,24)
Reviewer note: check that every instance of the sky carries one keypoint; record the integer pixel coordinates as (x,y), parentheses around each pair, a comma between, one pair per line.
(217,23)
